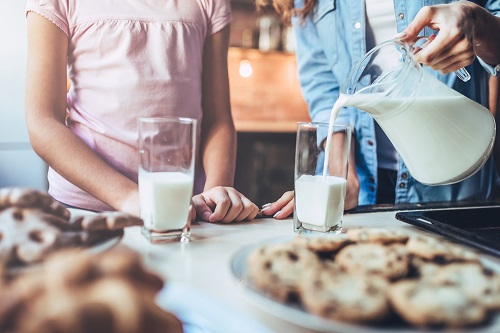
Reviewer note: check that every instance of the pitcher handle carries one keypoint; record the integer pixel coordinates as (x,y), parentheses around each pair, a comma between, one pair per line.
(461,73)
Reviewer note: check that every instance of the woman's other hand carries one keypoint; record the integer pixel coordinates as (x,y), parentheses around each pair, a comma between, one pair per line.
(283,207)
(280,209)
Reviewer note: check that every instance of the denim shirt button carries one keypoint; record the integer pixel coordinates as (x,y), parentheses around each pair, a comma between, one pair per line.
(357,25)
(372,180)
(372,188)
(402,185)
(370,143)
(404,175)
(401,16)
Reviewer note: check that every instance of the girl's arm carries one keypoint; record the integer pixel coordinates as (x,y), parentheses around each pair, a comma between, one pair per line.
(218,141)
(219,201)
(45,116)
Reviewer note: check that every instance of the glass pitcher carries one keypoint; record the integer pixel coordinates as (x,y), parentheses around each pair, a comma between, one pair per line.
(442,136)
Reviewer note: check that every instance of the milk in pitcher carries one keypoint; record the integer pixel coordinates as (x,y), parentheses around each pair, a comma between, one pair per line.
(442,136)
(435,149)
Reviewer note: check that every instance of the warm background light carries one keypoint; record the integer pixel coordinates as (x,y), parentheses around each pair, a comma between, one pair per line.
(245,68)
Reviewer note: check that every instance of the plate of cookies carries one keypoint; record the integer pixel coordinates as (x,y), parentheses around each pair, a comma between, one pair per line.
(372,280)
(34,225)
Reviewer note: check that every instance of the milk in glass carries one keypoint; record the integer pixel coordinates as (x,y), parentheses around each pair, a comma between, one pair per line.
(320,200)
(164,199)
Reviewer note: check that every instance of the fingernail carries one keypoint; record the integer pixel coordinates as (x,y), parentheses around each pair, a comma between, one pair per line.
(400,35)
(266,205)
(265,208)
(206,215)
(277,213)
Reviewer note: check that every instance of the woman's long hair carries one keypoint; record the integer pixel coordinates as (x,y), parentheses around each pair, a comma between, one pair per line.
(286,8)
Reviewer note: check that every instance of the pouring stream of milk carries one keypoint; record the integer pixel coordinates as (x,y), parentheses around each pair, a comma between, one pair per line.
(339,104)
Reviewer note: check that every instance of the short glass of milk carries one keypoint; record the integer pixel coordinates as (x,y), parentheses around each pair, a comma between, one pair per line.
(166,173)
(321,163)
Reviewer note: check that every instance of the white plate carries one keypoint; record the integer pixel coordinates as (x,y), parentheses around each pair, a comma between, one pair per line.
(201,313)
(296,315)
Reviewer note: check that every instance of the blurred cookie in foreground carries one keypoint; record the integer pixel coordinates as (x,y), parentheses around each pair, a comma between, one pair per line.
(75,291)
(33,225)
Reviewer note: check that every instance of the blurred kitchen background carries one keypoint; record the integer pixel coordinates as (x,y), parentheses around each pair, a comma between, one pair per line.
(19,165)
(265,98)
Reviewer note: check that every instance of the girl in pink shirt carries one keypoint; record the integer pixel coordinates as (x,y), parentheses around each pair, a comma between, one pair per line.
(127,59)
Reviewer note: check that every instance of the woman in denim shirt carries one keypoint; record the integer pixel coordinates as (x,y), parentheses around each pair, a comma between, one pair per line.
(332,35)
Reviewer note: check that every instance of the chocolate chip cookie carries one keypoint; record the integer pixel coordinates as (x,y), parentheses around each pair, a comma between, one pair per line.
(333,294)
(277,269)
(391,261)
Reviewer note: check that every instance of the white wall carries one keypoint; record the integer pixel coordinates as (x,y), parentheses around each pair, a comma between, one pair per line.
(19,165)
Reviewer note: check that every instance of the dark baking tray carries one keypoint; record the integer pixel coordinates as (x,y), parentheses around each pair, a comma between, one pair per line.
(478,227)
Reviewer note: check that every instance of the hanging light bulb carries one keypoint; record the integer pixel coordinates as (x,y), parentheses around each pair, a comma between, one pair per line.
(245,68)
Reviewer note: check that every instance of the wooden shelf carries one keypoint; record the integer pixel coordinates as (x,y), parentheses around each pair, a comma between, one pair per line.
(269,100)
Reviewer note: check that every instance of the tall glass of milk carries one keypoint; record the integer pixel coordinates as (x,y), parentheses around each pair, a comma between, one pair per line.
(442,136)
(320,176)
(166,175)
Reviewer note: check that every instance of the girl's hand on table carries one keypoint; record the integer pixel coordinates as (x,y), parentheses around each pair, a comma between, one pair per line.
(224,204)
(280,209)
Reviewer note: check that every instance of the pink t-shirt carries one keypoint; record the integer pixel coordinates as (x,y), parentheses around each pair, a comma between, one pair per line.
(126,59)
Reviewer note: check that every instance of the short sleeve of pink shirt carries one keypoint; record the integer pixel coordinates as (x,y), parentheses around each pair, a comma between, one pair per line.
(54,11)
(221,15)
(129,58)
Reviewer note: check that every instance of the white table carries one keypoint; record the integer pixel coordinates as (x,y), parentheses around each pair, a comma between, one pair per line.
(204,263)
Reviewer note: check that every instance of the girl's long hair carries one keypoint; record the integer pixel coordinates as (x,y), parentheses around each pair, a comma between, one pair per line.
(286,8)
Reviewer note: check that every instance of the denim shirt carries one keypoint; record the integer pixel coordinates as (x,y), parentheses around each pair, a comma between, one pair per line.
(329,42)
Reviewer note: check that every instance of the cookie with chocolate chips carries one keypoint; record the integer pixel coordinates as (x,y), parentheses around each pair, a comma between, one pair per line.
(377,235)
(331,293)
(26,235)
(438,250)
(30,198)
(391,261)
(322,244)
(426,304)
(277,269)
